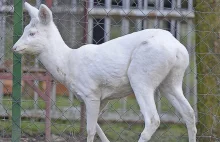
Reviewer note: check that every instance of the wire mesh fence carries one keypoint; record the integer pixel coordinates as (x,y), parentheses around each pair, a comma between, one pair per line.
(50,112)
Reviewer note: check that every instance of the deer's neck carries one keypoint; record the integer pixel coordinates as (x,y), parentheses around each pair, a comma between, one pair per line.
(56,59)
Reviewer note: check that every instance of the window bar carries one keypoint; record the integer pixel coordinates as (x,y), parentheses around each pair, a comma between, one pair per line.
(157,4)
(173,21)
(125,26)
(173,26)
(140,4)
(161,4)
(156,20)
(126,4)
(107,27)
(108,4)
(178,24)
(173,4)
(138,23)
(145,19)
(73,25)
(156,23)
(90,30)
(190,5)
(145,4)
(91,4)
(107,24)
(178,5)
(125,22)
(73,4)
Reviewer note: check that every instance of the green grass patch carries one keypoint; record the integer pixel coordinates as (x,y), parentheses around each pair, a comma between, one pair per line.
(115,131)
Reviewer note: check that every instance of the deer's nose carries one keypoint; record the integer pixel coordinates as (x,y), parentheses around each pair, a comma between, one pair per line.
(14,48)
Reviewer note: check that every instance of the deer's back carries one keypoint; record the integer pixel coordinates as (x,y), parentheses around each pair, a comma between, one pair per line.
(106,65)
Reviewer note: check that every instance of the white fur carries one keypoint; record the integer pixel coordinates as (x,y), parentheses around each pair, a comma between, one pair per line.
(136,63)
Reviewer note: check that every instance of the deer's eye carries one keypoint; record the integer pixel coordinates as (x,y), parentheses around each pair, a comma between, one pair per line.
(32,34)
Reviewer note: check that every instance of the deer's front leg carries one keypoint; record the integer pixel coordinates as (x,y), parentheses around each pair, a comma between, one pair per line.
(92,112)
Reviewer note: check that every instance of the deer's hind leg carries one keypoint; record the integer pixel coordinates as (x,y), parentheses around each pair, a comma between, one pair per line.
(145,99)
(171,88)
(145,74)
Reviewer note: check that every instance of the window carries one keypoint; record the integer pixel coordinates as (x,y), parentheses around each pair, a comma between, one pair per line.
(183,32)
(184,4)
(151,3)
(117,3)
(115,27)
(132,25)
(134,3)
(98,3)
(151,24)
(167,3)
(98,31)
(166,25)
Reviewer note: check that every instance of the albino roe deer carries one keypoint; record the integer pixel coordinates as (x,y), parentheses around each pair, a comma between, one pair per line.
(136,63)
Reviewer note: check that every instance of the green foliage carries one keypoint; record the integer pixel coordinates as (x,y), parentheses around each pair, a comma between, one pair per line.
(207,38)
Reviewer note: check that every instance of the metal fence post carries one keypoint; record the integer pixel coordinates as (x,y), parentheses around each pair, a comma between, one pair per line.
(16,91)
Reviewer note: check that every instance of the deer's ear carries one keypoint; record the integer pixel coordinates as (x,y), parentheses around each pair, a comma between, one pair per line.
(45,14)
(31,10)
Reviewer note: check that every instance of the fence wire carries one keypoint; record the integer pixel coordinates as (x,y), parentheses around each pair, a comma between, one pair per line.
(94,22)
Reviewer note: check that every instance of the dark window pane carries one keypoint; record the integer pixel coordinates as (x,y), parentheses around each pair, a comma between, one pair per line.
(168,3)
(98,31)
(99,2)
(151,3)
(134,3)
(184,4)
(116,2)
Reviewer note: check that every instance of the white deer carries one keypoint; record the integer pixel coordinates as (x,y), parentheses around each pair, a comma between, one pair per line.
(136,63)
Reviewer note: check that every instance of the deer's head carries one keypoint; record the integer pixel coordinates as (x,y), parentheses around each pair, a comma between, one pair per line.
(36,34)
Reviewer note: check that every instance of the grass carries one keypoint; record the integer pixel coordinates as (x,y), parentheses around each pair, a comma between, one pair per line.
(115,131)
(28,103)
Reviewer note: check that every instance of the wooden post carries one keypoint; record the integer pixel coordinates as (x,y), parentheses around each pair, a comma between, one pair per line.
(48,111)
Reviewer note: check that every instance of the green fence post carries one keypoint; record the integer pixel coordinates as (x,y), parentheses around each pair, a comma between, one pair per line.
(16,90)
